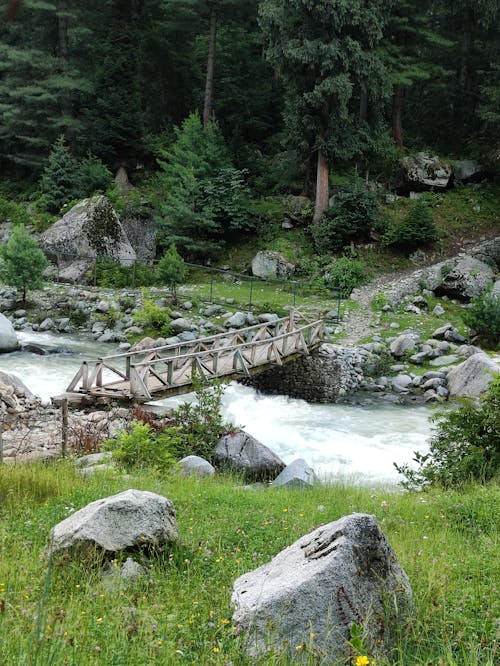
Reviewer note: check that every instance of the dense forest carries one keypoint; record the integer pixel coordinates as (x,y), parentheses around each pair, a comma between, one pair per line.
(220,101)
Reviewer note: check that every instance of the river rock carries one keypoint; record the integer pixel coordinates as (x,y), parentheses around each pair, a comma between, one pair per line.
(237,320)
(341,574)
(268,264)
(298,474)
(441,361)
(181,324)
(19,387)
(131,519)
(245,455)
(404,343)
(472,377)
(8,337)
(88,229)
(467,277)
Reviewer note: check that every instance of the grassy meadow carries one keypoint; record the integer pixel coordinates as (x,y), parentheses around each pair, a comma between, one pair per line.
(65,613)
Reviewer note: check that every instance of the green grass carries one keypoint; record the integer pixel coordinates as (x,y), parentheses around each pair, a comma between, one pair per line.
(448,543)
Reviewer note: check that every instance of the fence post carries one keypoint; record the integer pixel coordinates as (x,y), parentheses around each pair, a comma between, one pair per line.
(211,286)
(1,442)
(64,429)
(95,272)
(251,291)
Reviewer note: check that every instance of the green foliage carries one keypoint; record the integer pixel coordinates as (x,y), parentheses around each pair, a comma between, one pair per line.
(204,196)
(141,447)
(201,424)
(109,273)
(351,218)
(465,447)
(22,262)
(483,316)
(93,176)
(378,301)
(13,212)
(416,229)
(345,274)
(60,177)
(153,316)
(171,269)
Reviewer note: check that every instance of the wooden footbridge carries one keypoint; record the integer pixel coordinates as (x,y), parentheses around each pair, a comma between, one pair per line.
(140,376)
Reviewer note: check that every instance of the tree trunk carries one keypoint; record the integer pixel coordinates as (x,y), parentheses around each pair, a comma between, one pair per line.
(322,187)
(397,108)
(65,105)
(363,104)
(464,74)
(209,83)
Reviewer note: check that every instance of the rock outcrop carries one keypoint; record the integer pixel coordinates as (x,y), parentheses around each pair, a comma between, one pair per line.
(90,229)
(342,573)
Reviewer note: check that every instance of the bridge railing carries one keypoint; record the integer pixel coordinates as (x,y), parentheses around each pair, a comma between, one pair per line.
(172,365)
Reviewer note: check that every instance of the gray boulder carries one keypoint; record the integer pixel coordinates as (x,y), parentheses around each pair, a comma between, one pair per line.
(131,519)
(243,454)
(423,172)
(467,171)
(404,343)
(8,337)
(465,278)
(344,572)
(237,320)
(181,325)
(141,232)
(268,264)
(196,466)
(472,377)
(298,474)
(89,229)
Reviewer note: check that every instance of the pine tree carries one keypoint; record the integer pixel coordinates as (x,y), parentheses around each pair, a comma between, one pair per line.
(59,183)
(172,269)
(326,54)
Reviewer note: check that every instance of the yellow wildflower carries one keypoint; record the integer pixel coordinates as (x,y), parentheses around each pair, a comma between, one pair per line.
(362,661)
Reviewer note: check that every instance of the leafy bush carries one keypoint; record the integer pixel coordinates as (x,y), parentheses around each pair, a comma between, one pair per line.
(140,447)
(22,262)
(416,229)
(153,316)
(345,274)
(465,446)
(483,316)
(352,217)
(194,429)
(13,212)
(200,424)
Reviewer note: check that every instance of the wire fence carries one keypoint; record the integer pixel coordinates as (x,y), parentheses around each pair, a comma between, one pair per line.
(207,284)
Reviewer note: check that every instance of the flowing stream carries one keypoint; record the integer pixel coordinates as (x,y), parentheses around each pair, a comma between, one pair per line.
(357,443)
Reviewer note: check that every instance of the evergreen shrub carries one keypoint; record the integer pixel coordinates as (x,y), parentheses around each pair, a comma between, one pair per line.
(22,262)
(416,229)
(483,316)
(351,218)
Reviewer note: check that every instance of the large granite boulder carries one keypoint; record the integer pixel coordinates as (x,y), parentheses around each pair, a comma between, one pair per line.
(467,171)
(403,344)
(268,264)
(90,229)
(141,232)
(464,278)
(243,454)
(8,337)
(424,172)
(472,377)
(341,574)
(131,519)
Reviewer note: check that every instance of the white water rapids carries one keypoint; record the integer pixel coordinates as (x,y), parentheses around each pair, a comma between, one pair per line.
(357,443)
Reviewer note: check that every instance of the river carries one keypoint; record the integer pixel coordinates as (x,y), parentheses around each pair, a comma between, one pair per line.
(353,442)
